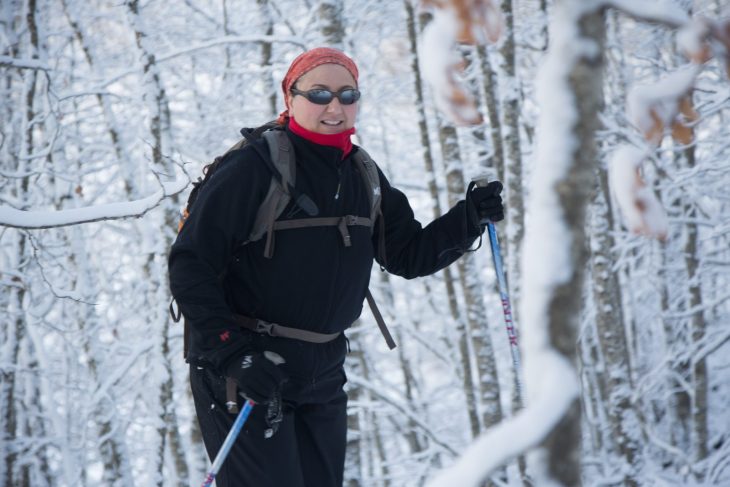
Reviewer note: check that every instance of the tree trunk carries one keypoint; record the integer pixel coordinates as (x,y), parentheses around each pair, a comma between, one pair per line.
(514,201)
(270,87)
(156,268)
(331,27)
(14,331)
(412,26)
(124,159)
(698,367)
(615,377)
(581,86)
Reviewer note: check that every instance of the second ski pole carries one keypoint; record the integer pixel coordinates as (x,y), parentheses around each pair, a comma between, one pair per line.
(228,443)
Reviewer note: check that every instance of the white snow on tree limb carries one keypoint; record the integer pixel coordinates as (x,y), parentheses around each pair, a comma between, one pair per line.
(659,102)
(518,434)
(641,210)
(12,217)
(551,383)
(690,40)
(662,11)
(440,63)
(8,61)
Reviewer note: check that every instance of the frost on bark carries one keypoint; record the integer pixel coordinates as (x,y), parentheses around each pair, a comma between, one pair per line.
(19,142)
(698,367)
(514,197)
(115,132)
(472,288)
(329,14)
(615,375)
(267,57)
(366,455)
(687,411)
(562,446)
(412,24)
(155,267)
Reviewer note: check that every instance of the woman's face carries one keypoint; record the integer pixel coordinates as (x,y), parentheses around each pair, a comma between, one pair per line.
(332,118)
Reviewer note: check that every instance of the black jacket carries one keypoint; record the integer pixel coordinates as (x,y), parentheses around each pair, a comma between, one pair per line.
(313,281)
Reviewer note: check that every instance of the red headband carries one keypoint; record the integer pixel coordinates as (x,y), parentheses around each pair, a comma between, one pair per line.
(306,62)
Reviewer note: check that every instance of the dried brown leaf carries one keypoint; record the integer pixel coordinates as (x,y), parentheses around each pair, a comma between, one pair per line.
(687,109)
(681,133)
(682,130)
(479,21)
(654,133)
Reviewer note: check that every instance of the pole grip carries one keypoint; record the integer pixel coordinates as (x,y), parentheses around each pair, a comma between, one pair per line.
(480,181)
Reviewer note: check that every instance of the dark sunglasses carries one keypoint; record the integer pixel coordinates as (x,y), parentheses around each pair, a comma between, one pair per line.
(320,96)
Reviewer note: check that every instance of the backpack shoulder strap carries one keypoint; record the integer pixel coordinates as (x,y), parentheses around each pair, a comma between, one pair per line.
(277,197)
(371,178)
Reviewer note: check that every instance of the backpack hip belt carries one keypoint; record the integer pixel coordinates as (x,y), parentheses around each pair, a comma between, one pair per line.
(276,330)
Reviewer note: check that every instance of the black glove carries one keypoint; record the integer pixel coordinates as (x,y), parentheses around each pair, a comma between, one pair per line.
(258,376)
(484,203)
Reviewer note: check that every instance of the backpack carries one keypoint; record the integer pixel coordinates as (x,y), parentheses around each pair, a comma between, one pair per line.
(280,161)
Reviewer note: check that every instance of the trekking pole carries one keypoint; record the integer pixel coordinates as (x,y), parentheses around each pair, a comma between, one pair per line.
(506,307)
(504,295)
(228,443)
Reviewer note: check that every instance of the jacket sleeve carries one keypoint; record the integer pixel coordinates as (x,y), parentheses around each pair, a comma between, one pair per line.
(412,250)
(221,218)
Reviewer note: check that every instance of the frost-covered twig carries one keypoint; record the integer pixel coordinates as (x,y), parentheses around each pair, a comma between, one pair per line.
(665,12)
(218,41)
(376,391)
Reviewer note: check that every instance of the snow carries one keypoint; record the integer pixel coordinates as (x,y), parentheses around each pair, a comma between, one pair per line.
(690,39)
(440,64)
(639,206)
(12,217)
(664,11)
(521,432)
(23,63)
(551,383)
(660,99)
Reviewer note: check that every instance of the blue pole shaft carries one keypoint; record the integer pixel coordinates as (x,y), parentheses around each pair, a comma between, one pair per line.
(228,443)
(506,306)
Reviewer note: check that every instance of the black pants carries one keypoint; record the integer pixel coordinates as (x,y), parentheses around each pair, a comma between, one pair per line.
(309,448)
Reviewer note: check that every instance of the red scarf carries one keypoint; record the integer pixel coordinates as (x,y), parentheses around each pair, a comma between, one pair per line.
(340,140)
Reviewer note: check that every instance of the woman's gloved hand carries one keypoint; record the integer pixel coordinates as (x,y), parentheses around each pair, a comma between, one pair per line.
(484,203)
(258,375)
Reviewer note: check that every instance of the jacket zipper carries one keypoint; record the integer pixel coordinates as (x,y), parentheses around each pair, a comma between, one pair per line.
(339,183)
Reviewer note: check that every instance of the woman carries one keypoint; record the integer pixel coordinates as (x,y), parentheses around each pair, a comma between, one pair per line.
(295,436)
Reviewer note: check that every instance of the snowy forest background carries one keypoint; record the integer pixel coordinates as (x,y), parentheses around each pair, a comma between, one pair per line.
(108,108)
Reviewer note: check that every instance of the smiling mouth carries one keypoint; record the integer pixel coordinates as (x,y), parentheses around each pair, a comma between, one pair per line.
(332,123)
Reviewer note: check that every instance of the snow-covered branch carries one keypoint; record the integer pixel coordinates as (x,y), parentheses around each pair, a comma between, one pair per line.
(467,21)
(218,41)
(354,380)
(11,217)
(518,434)
(642,211)
(665,12)
(11,62)
(665,104)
